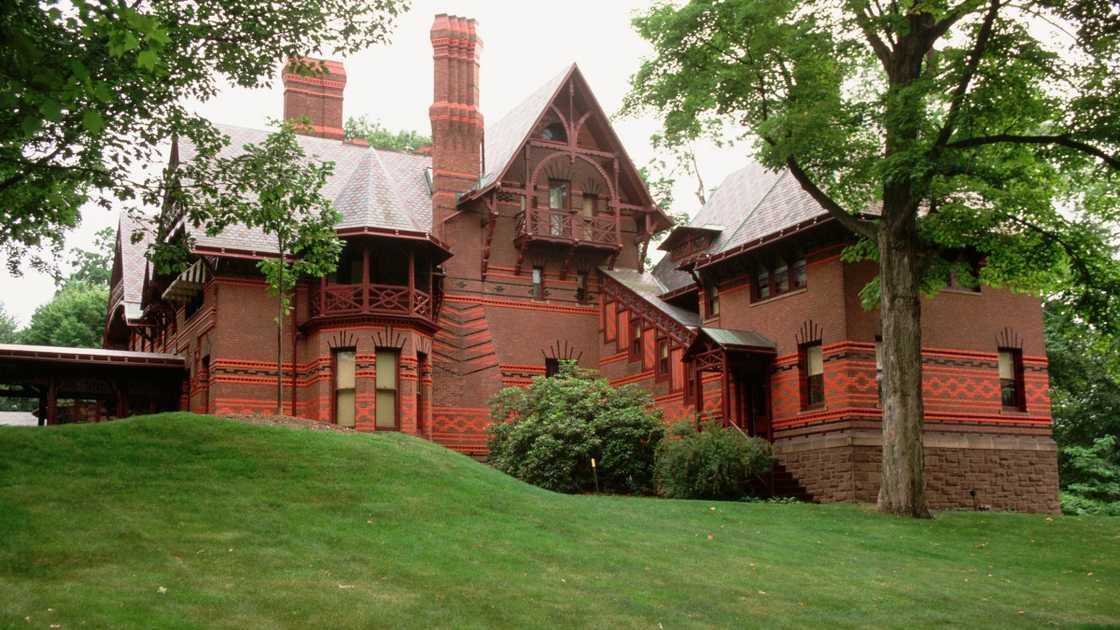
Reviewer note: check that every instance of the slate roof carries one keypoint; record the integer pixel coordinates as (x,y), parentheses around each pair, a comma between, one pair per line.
(370,187)
(133,264)
(737,338)
(504,137)
(648,287)
(752,202)
(666,272)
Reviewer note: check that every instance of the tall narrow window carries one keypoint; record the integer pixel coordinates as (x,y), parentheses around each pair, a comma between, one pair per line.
(662,359)
(581,286)
(713,301)
(590,204)
(781,278)
(635,337)
(797,274)
(1011,389)
(557,194)
(387,365)
(812,375)
(538,282)
(344,387)
(762,283)
(551,367)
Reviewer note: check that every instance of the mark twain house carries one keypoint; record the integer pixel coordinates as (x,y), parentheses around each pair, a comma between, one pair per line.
(516,243)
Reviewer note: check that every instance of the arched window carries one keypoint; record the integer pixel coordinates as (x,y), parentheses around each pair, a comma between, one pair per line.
(555,132)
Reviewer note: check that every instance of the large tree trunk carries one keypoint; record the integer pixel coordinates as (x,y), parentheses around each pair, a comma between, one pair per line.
(901,488)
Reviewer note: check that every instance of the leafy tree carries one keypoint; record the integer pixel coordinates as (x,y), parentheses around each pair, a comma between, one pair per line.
(93,267)
(547,434)
(9,327)
(1092,478)
(75,317)
(274,188)
(89,88)
(380,137)
(924,128)
(1084,378)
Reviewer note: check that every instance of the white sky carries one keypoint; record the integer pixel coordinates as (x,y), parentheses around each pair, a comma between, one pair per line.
(393,84)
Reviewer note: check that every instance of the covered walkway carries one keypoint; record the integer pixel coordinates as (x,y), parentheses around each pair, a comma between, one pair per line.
(90,384)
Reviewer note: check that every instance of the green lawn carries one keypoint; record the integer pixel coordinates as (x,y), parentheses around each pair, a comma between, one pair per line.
(179,520)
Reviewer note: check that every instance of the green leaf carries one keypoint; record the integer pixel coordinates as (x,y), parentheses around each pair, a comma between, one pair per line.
(93,121)
(147,59)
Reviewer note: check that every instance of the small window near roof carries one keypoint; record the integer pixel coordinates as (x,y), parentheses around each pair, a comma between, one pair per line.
(713,301)
(555,132)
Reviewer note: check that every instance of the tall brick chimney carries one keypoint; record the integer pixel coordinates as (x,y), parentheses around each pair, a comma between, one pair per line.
(317,97)
(456,120)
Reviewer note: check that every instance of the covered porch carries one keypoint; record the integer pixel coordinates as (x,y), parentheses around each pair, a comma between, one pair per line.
(744,360)
(90,384)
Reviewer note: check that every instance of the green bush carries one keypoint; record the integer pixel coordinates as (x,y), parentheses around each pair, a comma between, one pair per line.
(715,462)
(547,434)
(1091,478)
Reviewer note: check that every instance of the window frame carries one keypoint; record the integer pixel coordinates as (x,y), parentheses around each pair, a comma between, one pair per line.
(567,191)
(636,340)
(811,385)
(1018,380)
(795,276)
(335,389)
(663,371)
(536,276)
(711,301)
(377,389)
(581,286)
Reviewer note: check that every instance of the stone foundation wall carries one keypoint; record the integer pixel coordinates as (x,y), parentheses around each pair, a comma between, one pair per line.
(1006,472)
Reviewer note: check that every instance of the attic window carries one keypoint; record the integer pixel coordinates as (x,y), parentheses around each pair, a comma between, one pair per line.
(555,132)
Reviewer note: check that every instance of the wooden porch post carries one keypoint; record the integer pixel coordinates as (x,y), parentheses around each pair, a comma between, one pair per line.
(52,402)
(42,408)
(726,393)
(365,277)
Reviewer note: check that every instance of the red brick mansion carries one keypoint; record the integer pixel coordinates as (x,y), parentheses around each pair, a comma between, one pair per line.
(515,244)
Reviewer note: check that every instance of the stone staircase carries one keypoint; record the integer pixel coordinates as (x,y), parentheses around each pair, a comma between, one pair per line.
(780,482)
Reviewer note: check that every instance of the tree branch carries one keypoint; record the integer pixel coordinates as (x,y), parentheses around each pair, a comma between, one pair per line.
(952,17)
(978,49)
(858,226)
(1060,140)
(882,51)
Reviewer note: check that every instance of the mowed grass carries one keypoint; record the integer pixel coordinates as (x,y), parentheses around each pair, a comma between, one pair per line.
(179,520)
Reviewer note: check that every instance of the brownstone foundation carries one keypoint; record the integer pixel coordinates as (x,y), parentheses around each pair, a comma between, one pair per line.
(999,472)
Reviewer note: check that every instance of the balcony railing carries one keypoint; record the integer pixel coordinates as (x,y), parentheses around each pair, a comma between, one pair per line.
(340,300)
(566,226)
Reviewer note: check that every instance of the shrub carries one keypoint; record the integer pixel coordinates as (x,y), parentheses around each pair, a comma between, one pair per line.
(1091,478)
(546,434)
(715,462)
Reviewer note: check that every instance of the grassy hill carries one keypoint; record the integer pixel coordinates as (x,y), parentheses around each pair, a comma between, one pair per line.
(179,520)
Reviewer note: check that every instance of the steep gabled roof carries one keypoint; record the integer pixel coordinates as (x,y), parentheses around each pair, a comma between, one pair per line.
(372,188)
(504,138)
(133,264)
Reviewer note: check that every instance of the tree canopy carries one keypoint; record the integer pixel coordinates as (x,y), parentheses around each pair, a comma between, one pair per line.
(90,88)
(926,129)
(381,137)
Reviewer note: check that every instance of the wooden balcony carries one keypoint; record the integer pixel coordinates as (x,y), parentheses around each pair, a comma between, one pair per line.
(387,300)
(568,228)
